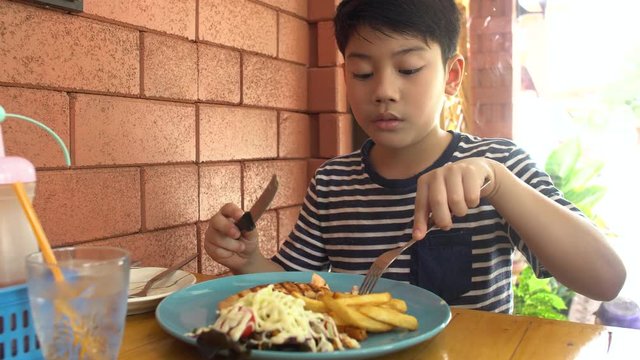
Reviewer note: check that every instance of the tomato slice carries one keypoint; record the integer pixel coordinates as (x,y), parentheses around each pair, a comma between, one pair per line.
(249,329)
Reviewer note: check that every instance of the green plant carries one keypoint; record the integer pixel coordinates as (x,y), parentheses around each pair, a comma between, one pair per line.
(540,297)
(575,174)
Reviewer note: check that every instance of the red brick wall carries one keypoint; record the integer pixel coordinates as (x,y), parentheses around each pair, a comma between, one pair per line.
(327,92)
(170,110)
(490,67)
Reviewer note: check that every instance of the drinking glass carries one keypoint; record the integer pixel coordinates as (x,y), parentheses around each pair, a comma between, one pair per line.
(83,316)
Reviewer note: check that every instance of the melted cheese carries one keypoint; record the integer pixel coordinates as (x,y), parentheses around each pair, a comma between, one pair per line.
(281,315)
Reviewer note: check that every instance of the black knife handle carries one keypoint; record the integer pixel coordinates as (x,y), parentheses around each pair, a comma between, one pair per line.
(246,222)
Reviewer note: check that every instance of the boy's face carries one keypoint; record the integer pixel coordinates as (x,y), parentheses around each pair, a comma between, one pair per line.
(396,86)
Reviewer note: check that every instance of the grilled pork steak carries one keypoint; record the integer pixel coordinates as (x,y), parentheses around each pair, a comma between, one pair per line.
(310,290)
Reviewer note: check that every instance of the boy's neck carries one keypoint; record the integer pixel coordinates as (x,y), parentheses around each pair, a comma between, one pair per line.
(406,162)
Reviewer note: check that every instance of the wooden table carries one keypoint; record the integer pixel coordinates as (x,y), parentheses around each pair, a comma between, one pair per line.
(470,335)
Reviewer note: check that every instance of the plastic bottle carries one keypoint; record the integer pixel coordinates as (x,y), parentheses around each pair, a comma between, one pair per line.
(17,240)
(16,237)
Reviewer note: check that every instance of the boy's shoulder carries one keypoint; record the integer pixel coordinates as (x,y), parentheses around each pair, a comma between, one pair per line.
(350,161)
(473,142)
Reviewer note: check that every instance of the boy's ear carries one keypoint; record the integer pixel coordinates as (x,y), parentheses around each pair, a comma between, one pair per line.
(455,72)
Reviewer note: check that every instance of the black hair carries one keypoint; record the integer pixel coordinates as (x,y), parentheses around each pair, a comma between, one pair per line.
(432,20)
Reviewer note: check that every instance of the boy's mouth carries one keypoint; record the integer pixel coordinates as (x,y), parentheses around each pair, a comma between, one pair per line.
(387,121)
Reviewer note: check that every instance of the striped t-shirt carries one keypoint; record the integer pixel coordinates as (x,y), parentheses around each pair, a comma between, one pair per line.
(351,214)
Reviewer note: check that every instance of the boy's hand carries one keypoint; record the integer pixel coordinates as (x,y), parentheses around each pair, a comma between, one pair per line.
(451,190)
(225,243)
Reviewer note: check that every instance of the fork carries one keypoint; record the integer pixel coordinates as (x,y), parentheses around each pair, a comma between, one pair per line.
(380,266)
(383,261)
(162,275)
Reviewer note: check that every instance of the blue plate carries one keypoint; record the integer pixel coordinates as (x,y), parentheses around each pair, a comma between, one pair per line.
(196,306)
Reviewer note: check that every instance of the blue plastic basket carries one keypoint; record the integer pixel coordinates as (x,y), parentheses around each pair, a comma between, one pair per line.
(17,331)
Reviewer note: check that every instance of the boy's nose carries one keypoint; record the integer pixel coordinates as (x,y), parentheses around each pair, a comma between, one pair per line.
(384,99)
(385,90)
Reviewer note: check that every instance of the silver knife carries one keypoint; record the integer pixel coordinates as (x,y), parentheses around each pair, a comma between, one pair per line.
(248,221)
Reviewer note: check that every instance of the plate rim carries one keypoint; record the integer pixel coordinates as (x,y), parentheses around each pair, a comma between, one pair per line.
(345,354)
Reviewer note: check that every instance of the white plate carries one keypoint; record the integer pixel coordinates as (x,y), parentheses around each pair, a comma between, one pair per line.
(138,278)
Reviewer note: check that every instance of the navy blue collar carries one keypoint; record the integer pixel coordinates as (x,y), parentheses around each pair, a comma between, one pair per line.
(410,182)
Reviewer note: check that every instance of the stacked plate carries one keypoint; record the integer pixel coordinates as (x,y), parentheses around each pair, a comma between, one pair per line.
(138,278)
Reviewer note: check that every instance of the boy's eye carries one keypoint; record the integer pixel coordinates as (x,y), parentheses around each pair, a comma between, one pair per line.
(410,71)
(362,76)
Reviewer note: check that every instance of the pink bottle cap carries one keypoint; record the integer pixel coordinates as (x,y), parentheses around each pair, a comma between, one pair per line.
(15,169)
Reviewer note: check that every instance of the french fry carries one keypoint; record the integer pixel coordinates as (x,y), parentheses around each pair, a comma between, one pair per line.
(340,295)
(337,319)
(312,304)
(389,316)
(353,317)
(354,332)
(369,299)
(396,304)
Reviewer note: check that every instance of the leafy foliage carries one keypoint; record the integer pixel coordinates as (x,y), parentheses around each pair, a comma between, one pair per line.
(574,174)
(540,297)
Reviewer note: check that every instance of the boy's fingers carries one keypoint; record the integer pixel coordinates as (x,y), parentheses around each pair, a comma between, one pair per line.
(471,196)
(217,235)
(223,232)
(224,226)
(217,253)
(456,195)
(438,204)
(421,211)
(231,211)
(223,254)
(229,244)
(251,235)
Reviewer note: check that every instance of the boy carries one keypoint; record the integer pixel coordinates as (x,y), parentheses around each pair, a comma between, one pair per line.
(400,62)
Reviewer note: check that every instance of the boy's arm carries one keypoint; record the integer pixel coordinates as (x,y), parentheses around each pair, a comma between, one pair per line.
(568,245)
